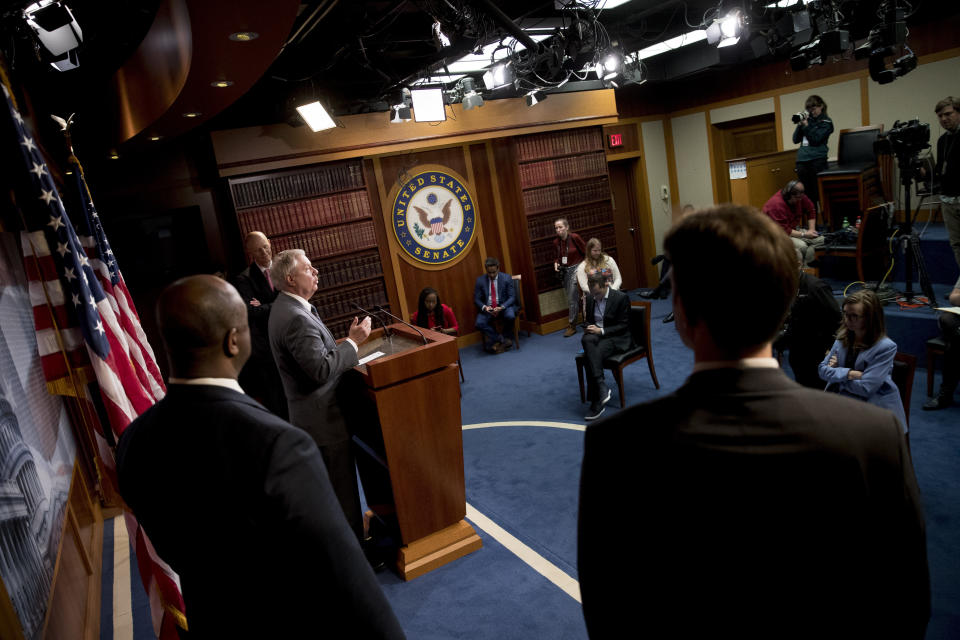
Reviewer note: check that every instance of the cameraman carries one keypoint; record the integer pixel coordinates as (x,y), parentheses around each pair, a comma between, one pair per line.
(947,171)
(811,134)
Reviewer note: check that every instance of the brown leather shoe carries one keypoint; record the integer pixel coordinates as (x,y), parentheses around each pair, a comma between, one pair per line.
(498,347)
(571,331)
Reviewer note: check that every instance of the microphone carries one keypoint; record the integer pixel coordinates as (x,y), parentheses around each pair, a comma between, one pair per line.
(386,331)
(382,310)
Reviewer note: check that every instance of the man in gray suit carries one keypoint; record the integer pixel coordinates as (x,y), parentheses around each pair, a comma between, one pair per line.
(758,508)
(311,364)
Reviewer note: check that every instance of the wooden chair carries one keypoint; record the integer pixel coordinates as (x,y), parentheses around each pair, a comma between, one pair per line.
(870,251)
(904,367)
(853,183)
(640,330)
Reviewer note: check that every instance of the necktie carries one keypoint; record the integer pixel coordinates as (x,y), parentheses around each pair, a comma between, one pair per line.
(493,293)
(266,272)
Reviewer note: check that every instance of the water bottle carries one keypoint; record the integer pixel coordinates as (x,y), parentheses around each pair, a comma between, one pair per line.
(846,223)
(857,223)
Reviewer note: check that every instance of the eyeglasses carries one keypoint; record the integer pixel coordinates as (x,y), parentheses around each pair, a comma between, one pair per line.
(852,316)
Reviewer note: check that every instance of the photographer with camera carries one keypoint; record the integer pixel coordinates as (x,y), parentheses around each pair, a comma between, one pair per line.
(947,171)
(813,129)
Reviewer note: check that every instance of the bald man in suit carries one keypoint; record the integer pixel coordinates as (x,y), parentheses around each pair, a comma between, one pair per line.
(236,500)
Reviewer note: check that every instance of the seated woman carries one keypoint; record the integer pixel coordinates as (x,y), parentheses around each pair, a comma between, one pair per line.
(433,314)
(596,261)
(861,360)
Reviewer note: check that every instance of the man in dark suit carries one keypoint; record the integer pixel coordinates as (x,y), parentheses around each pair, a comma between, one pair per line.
(495,299)
(236,500)
(259,377)
(809,329)
(311,364)
(758,508)
(607,333)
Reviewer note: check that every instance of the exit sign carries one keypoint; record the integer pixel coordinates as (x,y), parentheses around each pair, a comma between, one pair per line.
(616,140)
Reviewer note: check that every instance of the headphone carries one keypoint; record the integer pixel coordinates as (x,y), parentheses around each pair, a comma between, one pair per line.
(788,190)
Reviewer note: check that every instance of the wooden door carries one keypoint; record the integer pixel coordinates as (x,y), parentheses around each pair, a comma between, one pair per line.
(626,220)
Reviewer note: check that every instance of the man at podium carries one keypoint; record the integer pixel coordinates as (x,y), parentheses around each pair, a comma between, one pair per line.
(311,364)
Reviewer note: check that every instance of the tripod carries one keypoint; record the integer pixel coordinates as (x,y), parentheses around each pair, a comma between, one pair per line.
(912,255)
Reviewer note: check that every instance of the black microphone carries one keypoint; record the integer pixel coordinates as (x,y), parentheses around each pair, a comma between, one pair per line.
(386,331)
(382,310)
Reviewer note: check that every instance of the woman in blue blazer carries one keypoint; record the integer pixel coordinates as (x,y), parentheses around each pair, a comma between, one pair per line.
(861,360)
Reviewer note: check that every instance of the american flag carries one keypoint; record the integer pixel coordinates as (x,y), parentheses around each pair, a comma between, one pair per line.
(84,315)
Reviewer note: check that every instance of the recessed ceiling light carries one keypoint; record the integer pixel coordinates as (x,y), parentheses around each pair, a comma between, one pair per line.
(221,83)
(191,114)
(155,138)
(114,155)
(244,36)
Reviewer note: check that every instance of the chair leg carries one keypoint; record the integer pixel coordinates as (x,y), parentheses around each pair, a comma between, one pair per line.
(583,396)
(653,373)
(460,366)
(516,332)
(931,362)
(618,376)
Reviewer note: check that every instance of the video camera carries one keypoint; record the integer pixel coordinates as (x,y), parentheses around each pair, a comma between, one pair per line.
(797,117)
(904,139)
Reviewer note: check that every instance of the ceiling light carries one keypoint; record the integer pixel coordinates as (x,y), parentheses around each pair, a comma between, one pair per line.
(114,155)
(244,36)
(610,4)
(221,84)
(673,43)
(316,116)
(191,114)
(428,104)
(155,138)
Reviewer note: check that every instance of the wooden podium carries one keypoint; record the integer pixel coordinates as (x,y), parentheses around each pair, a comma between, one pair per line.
(418,448)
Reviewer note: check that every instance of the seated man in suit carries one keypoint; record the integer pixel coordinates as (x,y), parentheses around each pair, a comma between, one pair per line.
(259,377)
(607,333)
(236,500)
(762,509)
(311,364)
(496,299)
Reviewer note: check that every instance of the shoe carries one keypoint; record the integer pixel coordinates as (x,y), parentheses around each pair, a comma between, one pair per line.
(606,396)
(668,318)
(571,331)
(596,410)
(498,347)
(373,554)
(648,293)
(942,401)
(507,343)
(664,293)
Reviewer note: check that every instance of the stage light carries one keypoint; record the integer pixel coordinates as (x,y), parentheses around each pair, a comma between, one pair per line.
(428,104)
(316,116)
(55,27)
(439,37)
(731,28)
(499,75)
(610,67)
(535,97)
(471,98)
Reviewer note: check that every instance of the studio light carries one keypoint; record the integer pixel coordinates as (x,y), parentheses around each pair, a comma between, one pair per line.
(428,104)
(610,67)
(500,75)
(316,116)
(471,98)
(535,97)
(57,30)
(731,28)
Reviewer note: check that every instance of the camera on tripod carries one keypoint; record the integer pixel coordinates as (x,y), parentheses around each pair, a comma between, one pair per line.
(904,139)
(797,117)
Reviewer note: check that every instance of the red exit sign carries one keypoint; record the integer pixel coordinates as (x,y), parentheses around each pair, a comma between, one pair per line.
(616,140)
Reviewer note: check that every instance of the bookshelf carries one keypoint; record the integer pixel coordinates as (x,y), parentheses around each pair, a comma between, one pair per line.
(563,174)
(325,210)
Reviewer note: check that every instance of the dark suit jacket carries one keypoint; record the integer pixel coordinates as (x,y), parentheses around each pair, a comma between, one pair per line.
(259,376)
(506,295)
(748,506)
(616,319)
(239,504)
(311,364)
